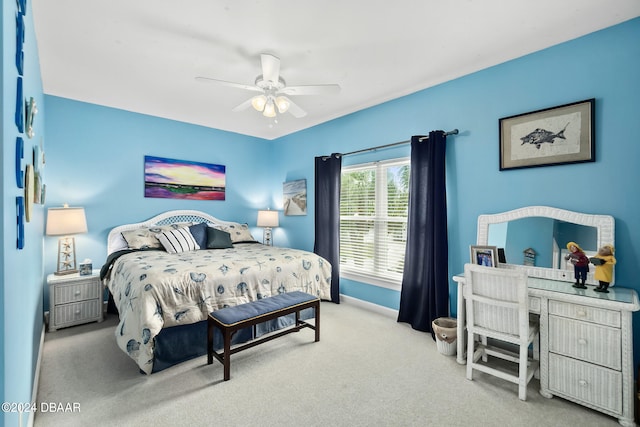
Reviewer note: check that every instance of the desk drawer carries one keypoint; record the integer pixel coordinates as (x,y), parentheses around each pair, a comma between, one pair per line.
(600,316)
(77,291)
(586,341)
(594,385)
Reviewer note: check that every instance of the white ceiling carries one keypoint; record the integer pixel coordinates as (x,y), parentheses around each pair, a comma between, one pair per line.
(143,55)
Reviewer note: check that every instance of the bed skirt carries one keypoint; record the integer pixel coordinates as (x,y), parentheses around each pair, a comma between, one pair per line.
(178,344)
(181,343)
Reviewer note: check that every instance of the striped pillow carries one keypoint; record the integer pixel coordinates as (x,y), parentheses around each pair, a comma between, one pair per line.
(178,240)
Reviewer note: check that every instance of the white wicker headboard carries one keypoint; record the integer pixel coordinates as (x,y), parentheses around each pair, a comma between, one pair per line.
(116,242)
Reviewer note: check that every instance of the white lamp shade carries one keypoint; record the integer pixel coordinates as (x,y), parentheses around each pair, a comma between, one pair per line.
(269,109)
(258,102)
(283,104)
(267,218)
(66,221)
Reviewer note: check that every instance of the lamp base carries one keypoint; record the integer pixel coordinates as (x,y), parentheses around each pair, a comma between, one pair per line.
(66,256)
(64,272)
(266,237)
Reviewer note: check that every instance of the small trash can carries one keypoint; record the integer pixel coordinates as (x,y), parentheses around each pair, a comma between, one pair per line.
(446,332)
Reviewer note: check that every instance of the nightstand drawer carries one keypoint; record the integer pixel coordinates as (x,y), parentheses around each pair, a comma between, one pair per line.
(78,291)
(586,341)
(588,314)
(594,385)
(79,312)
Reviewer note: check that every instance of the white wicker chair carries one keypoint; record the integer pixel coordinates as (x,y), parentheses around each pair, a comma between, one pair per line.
(498,308)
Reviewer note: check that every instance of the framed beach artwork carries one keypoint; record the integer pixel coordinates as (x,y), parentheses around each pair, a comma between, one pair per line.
(294,197)
(553,136)
(183,179)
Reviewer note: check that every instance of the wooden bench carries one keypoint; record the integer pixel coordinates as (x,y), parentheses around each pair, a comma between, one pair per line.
(229,320)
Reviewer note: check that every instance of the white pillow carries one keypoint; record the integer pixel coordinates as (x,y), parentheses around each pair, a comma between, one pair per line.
(177,241)
(239,233)
(145,237)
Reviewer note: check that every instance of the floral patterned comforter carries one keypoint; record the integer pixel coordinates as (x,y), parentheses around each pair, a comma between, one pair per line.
(155,289)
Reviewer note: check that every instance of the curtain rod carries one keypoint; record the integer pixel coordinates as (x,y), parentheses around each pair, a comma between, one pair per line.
(364,150)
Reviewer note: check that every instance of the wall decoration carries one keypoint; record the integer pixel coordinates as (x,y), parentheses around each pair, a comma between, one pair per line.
(553,136)
(20,41)
(484,255)
(43,193)
(37,188)
(22,6)
(183,179)
(20,221)
(31,110)
(28,192)
(37,158)
(295,197)
(19,106)
(19,157)
(38,174)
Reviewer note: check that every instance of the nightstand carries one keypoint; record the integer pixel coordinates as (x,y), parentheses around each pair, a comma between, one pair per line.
(74,299)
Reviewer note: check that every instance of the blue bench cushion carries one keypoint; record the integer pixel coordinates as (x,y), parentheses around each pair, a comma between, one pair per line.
(230,316)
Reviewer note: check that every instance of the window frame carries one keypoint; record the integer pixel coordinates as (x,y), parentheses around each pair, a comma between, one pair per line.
(380,189)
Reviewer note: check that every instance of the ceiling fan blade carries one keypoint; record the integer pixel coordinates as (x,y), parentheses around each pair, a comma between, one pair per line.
(230,84)
(311,90)
(246,104)
(270,67)
(294,109)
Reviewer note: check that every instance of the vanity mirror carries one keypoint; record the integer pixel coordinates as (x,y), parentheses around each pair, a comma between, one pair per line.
(539,235)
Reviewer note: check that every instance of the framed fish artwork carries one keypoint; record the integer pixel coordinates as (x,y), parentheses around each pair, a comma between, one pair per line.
(552,136)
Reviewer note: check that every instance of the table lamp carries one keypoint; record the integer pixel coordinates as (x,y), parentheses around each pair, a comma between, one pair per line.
(64,222)
(267,219)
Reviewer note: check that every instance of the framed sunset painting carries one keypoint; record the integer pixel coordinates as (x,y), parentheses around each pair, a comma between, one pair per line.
(183,179)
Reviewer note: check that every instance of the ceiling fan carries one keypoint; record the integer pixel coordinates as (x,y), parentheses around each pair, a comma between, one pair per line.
(275,93)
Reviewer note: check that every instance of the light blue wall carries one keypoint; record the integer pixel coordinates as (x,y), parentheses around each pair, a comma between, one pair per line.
(20,270)
(95,159)
(604,65)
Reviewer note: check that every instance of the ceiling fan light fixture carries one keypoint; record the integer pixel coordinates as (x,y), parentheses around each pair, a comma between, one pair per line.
(269,109)
(274,96)
(283,104)
(259,102)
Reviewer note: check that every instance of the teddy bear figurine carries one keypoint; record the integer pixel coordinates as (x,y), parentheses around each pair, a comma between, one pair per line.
(580,262)
(604,262)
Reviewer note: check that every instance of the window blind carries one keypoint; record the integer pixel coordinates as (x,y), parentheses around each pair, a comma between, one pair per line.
(373,219)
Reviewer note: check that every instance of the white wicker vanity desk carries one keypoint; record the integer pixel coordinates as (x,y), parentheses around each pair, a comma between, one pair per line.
(586,344)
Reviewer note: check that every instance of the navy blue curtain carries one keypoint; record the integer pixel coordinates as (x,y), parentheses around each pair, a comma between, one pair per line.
(425,283)
(327,211)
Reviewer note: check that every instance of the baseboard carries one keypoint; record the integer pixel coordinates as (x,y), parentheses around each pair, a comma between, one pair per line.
(385,311)
(36,377)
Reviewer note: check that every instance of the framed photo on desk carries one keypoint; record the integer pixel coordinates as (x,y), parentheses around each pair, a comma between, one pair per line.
(484,255)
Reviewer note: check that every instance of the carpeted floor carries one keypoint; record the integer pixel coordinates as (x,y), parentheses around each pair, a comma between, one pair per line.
(367,370)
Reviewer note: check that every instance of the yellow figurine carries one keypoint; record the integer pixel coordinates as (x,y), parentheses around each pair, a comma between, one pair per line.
(604,262)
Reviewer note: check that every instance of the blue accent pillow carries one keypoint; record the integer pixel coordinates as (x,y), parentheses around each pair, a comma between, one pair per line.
(199,233)
(218,239)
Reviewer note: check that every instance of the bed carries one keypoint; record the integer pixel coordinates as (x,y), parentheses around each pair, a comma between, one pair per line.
(163,298)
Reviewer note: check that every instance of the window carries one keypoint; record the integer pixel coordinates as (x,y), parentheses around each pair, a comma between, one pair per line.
(374,200)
